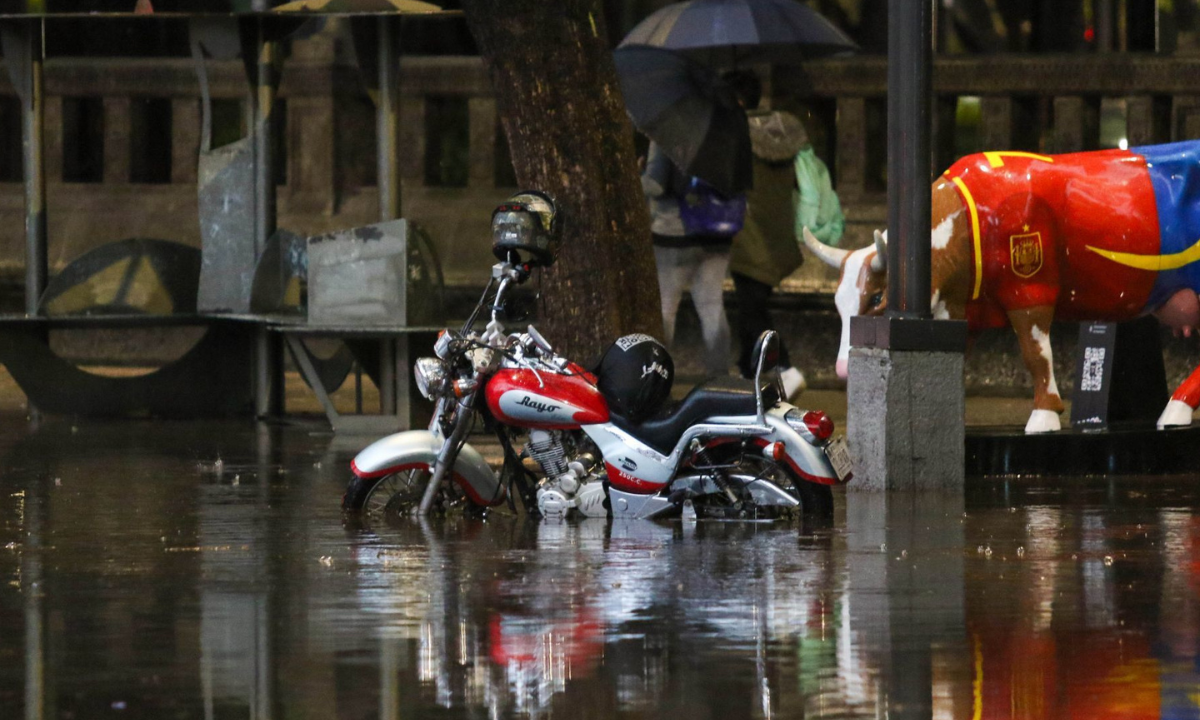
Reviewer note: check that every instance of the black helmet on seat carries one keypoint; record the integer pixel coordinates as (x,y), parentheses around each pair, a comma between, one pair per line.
(635,376)
(525,229)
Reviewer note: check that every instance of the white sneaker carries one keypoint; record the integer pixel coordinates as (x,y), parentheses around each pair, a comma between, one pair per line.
(793,382)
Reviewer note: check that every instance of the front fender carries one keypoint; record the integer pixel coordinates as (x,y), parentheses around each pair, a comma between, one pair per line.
(419,447)
(807,460)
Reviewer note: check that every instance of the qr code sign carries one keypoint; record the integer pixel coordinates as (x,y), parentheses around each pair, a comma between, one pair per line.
(1093,370)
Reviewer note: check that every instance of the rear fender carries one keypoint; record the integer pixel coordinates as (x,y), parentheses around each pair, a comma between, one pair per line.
(419,447)
(807,460)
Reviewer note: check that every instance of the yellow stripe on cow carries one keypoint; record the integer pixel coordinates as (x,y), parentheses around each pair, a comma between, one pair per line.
(996,159)
(962,186)
(1153,263)
(977,681)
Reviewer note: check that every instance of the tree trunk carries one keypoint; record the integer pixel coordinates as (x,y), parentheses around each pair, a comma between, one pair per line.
(561,108)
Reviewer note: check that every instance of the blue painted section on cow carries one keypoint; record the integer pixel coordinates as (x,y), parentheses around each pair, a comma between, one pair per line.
(1175,174)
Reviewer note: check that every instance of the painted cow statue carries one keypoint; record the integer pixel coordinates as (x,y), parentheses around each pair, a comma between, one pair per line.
(1021,239)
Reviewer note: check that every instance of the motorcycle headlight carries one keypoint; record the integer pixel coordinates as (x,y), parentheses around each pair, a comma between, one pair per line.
(431,374)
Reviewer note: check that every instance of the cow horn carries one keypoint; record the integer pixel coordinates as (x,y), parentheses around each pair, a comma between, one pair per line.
(832,256)
(879,262)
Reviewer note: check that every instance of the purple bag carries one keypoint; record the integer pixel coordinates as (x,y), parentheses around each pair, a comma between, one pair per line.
(704,210)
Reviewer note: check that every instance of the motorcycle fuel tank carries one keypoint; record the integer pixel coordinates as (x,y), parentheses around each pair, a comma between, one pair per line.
(546,400)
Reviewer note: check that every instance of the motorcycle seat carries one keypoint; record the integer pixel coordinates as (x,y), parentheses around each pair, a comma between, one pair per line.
(715,397)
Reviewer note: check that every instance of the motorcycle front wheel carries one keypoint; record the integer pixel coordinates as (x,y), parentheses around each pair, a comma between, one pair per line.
(389,498)
(398,493)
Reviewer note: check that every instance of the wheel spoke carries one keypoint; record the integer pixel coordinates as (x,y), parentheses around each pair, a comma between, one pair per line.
(396,494)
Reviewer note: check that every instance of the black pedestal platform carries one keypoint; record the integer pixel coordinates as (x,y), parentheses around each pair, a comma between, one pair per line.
(1130,450)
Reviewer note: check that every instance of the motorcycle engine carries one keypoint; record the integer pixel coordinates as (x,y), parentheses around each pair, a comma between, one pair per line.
(572,480)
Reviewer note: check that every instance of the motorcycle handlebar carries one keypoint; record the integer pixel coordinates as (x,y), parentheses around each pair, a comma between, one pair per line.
(498,302)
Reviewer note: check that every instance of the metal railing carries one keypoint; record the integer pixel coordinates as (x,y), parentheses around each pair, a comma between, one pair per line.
(1041,103)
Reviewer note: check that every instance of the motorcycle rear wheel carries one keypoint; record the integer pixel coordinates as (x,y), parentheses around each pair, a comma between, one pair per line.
(816,500)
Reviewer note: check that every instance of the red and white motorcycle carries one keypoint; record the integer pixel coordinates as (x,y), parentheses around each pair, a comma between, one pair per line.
(607,443)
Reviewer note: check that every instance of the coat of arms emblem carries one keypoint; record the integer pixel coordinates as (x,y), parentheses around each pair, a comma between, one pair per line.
(1026,251)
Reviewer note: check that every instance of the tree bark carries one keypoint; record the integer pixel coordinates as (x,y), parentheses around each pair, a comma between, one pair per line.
(560,104)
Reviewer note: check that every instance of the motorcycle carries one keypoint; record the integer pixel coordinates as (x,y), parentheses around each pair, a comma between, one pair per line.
(732,448)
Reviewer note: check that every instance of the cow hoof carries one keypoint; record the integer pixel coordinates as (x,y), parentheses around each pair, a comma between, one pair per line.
(1175,414)
(1043,421)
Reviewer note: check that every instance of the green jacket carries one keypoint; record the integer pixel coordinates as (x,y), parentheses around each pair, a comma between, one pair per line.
(785,198)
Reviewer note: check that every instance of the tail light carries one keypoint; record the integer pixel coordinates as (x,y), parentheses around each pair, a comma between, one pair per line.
(814,425)
(819,424)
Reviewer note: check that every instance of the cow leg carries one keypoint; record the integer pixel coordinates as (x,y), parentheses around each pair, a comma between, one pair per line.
(1033,333)
(1182,314)
(1179,410)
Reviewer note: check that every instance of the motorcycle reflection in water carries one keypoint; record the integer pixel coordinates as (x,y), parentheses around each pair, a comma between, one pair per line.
(574,621)
(603,618)
(607,442)
(224,598)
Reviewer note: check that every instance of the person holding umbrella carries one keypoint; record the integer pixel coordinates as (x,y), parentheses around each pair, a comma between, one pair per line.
(792,190)
(732,33)
(687,261)
(696,174)
(724,34)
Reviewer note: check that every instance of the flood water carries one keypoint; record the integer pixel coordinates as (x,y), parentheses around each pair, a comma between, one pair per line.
(140,578)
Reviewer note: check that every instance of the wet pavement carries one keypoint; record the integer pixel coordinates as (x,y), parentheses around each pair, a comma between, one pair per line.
(203,570)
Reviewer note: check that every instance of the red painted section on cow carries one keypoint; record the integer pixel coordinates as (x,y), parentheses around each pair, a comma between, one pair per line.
(1189,390)
(578,390)
(1038,214)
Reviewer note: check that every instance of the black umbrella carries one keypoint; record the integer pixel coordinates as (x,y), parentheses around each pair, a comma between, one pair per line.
(690,113)
(732,31)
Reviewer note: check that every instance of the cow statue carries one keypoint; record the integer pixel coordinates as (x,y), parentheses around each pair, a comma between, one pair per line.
(1020,239)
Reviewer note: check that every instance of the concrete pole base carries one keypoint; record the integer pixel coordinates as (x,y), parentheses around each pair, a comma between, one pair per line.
(906,422)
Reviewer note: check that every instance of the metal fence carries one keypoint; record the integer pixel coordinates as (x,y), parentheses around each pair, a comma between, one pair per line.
(123,134)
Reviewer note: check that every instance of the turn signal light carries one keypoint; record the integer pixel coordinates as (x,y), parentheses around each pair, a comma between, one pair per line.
(464,387)
(819,424)
(776,451)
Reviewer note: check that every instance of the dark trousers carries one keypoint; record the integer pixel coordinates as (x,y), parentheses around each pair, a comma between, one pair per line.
(753,317)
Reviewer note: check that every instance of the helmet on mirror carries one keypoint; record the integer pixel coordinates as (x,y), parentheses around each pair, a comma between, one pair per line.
(525,229)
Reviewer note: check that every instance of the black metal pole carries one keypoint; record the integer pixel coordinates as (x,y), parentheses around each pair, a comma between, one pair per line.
(33,145)
(910,59)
